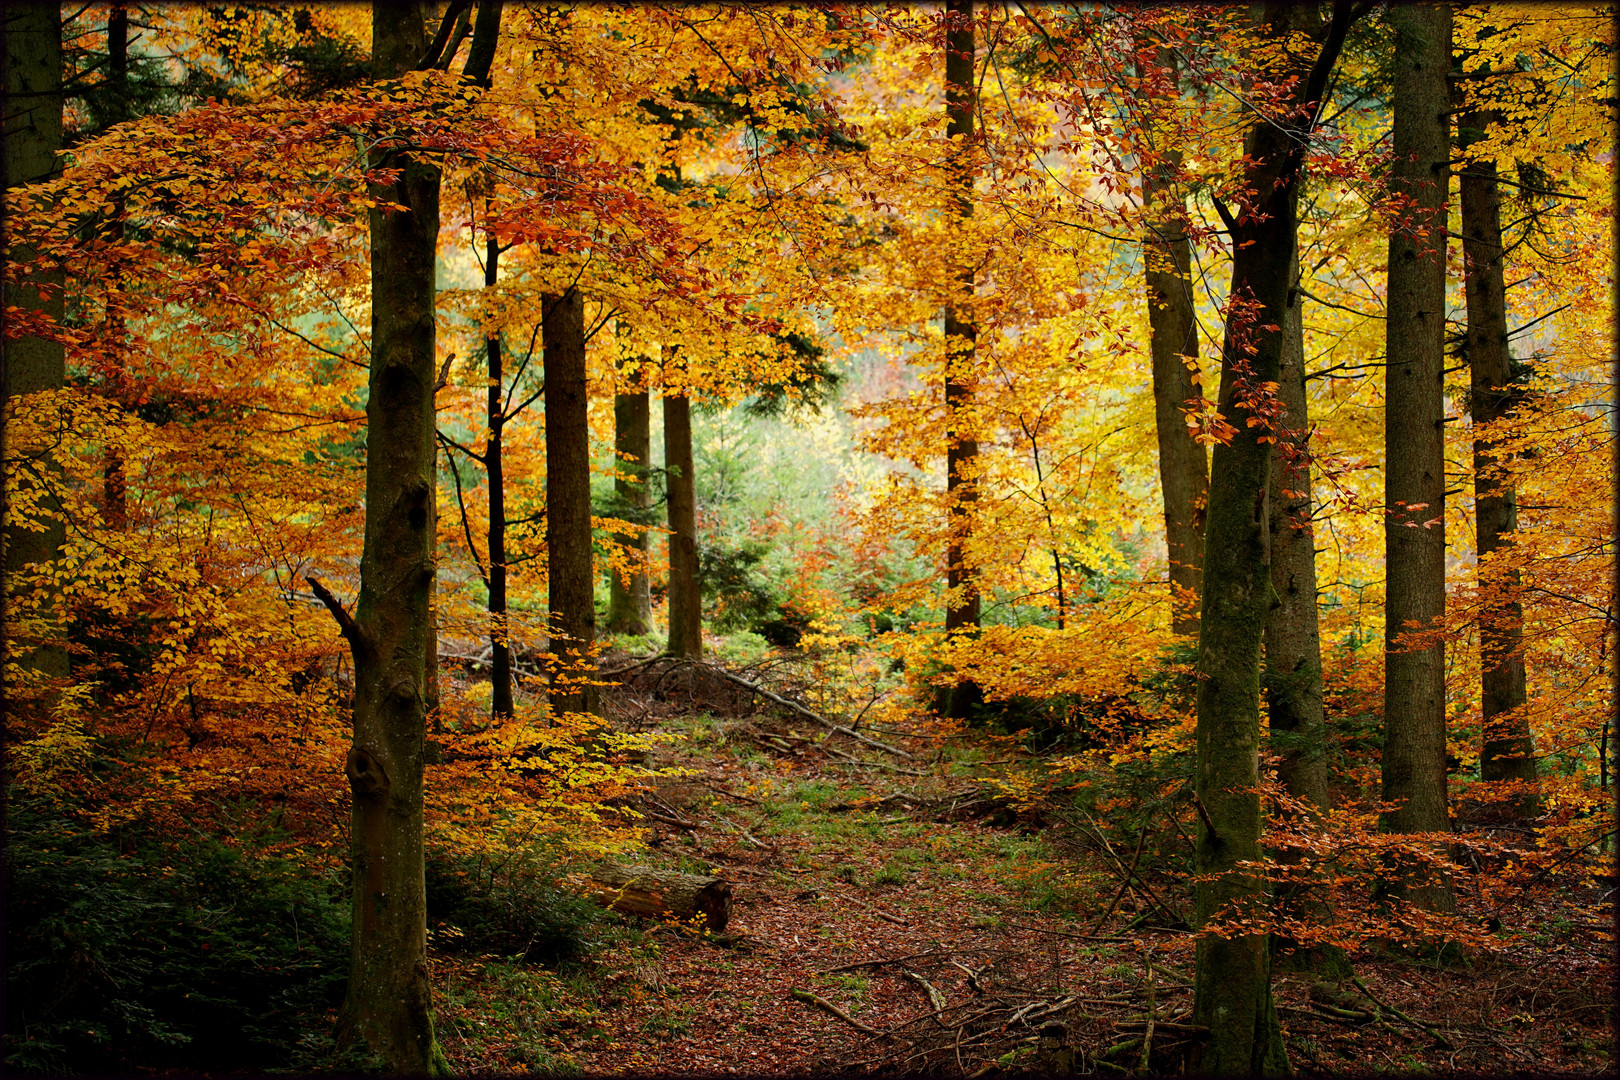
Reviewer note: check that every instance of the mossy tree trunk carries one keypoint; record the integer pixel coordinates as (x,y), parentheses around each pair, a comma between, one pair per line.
(1414,765)
(1293,641)
(630,596)
(1172,344)
(569,566)
(1232,985)
(32,55)
(1508,749)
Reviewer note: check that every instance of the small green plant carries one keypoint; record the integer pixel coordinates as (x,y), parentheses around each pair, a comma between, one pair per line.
(891,874)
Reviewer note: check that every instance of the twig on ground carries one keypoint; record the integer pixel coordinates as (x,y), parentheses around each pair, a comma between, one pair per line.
(832,1010)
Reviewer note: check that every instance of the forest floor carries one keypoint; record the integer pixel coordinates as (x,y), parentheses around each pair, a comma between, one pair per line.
(948,928)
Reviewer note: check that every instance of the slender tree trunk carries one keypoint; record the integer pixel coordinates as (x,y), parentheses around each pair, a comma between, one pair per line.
(1508,751)
(388,1002)
(1414,767)
(114,481)
(500,631)
(32,56)
(685,603)
(961,335)
(1232,986)
(630,598)
(1293,645)
(1173,343)
(568,505)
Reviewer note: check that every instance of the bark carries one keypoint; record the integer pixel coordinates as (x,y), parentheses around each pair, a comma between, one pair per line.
(1232,986)
(640,890)
(114,482)
(1293,646)
(388,1001)
(32,56)
(1508,750)
(1173,336)
(630,597)
(500,632)
(961,335)
(568,505)
(1292,637)
(685,603)
(1414,765)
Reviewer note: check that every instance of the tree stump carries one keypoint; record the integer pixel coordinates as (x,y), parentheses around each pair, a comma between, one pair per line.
(639,890)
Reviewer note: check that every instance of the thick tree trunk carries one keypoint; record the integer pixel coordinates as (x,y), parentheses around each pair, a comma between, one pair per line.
(1293,645)
(1414,766)
(685,603)
(663,894)
(1508,751)
(1173,336)
(569,564)
(500,633)
(961,335)
(630,598)
(1232,985)
(32,55)
(388,1003)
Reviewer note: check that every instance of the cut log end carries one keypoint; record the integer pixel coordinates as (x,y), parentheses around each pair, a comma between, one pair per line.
(663,894)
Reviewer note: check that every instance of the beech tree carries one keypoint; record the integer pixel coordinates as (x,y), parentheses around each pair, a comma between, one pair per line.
(34,363)
(1414,762)
(1232,992)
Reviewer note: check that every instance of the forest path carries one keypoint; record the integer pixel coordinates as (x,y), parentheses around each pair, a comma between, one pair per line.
(872,889)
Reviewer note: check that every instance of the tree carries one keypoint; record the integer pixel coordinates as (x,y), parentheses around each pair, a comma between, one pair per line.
(961,445)
(630,595)
(568,504)
(685,600)
(33,363)
(1232,989)
(1414,763)
(1507,751)
(388,1002)
(1173,345)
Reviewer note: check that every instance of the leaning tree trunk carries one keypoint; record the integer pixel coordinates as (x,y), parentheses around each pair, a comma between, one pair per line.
(32,55)
(1173,345)
(1293,644)
(569,564)
(630,596)
(1232,984)
(388,1003)
(961,335)
(1508,750)
(1414,767)
(685,603)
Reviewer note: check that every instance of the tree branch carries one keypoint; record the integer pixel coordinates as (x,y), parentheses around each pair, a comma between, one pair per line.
(351,629)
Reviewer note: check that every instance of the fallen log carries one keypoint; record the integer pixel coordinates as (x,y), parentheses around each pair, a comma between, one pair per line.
(657,894)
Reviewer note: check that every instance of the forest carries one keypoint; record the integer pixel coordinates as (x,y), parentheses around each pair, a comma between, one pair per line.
(972,538)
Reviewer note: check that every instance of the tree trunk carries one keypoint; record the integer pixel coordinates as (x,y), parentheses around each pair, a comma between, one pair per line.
(115,484)
(1508,751)
(630,597)
(569,565)
(388,1001)
(1414,766)
(685,603)
(1173,336)
(1293,646)
(500,631)
(961,334)
(1232,985)
(663,894)
(32,54)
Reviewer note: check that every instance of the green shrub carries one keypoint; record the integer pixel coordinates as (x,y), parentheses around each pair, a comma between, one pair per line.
(129,948)
(516,908)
